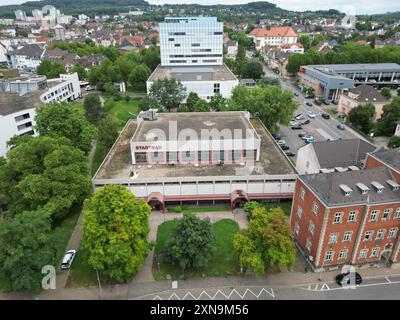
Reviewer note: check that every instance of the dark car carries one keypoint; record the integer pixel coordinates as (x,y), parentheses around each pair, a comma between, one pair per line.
(305,122)
(344,278)
(290,153)
(296,94)
(340,126)
(309,104)
(276,136)
(325,116)
(296,127)
(284,147)
(302,134)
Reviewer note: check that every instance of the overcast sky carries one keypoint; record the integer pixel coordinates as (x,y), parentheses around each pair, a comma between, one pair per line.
(360,6)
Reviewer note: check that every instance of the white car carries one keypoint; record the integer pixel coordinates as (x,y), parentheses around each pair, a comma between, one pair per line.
(299,117)
(89,88)
(281,142)
(311,114)
(68,258)
(293,123)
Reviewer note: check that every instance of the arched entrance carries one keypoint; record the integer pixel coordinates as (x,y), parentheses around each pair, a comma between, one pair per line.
(156,201)
(238,199)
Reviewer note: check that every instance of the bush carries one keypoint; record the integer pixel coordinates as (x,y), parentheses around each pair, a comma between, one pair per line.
(177,209)
(109,104)
(394,142)
(127,98)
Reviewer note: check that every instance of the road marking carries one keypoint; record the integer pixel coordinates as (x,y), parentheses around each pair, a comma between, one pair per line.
(357,286)
(388,280)
(324,134)
(219,292)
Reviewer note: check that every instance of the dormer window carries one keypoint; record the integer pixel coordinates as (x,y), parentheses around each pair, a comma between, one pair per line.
(393,185)
(362,187)
(346,190)
(378,187)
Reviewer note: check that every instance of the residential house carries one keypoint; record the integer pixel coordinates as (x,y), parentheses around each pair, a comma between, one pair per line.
(232,48)
(27,58)
(273,36)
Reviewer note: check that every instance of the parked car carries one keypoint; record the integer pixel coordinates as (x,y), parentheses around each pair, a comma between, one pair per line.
(311,114)
(310,139)
(302,134)
(309,104)
(300,117)
(306,136)
(325,116)
(326,103)
(293,123)
(290,153)
(307,121)
(276,136)
(297,115)
(284,147)
(340,126)
(68,258)
(296,94)
(344,278)
(281,142)
(89,88)
(296,127)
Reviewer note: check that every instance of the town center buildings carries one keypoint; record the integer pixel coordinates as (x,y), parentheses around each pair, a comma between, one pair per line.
(191,52)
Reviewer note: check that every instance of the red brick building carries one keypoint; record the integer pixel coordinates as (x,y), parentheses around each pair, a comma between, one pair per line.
(350,217)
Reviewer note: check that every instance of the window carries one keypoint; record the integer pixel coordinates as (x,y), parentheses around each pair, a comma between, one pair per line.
(352,216)
(22,117)
(374,215)
(177,44)
(296,229)
(342,254)
(329,256)
(392,233)
(195,44)
(368,236)
(302,193)
(374,252)
(398,213)
(315,208)
(299,212)
(216,87)
(347,236)
(311,227)
(363,253)
(380,234)
(386,214)
(333,238)
(338,217)
(308,244)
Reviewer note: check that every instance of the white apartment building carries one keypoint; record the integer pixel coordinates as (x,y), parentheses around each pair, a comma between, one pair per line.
(27,58)
(191,41)
(192,53)
(20,15)
(19,98)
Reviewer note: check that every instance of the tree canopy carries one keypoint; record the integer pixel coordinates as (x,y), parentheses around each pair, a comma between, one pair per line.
(362,117)
(386,125)
(116,228)
(50,69)
(93,107)
(266,242)
(167,94)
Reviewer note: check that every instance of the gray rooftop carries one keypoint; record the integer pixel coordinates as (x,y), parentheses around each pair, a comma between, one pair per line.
(326,186)
(13,102)
(390,157)
(195,73)
(367,93)
(196,121)
(31,50)
(341,153)
(359,67)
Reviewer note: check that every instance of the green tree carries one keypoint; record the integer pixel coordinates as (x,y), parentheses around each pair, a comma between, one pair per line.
(50,69)
(394,142)
(201,106)
(151,57)
(362,117)
(386,125)
(191,100)
(191,244)
(115,232)
(305,41)
(253,70)
(44,172)
(266,243)
(271,104)
(386,93)
(64,120)
(218,103)
(249,208)
(318,39)
(167,94)
(139,76)
(241,60)
(82,74)
(108,130)
(25,247)
(93,108)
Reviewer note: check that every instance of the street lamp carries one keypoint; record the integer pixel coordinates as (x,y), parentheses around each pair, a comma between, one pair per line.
(98,279)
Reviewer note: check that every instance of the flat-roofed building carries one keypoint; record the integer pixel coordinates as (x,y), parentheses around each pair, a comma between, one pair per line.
(167,161)
(328,81)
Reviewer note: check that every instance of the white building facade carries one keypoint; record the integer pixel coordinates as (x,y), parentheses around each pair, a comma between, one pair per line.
(194,41)
(66,88)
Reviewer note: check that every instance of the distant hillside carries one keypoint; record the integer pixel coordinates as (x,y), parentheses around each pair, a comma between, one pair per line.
(88,7)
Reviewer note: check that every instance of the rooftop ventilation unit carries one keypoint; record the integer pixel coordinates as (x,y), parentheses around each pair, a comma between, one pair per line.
(346,189)
(354,168)
(379,188)
(393,184)
(150,114)
(340,169)
(363,188)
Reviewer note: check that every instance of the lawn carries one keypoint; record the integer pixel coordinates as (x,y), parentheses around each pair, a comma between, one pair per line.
(124,110)
(224,262)
(196,209)
(286,206)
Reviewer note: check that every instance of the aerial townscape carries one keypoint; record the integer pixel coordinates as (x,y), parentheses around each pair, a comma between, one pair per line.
(199,152)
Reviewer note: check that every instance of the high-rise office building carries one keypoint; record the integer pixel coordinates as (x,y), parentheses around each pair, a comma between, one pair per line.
(194,41)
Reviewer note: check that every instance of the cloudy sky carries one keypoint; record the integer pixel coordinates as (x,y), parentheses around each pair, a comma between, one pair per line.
(360,6)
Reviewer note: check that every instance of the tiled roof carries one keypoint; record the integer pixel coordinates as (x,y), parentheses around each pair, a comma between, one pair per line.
(274,32)
(390,157)
(367,93)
